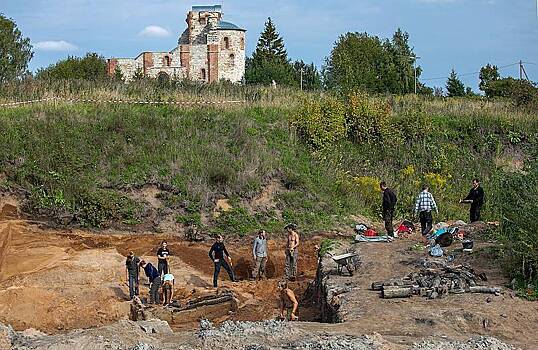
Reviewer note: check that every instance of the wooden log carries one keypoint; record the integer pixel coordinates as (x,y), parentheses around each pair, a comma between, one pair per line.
(377,285)
(390,293)
(483,289)
(208,302)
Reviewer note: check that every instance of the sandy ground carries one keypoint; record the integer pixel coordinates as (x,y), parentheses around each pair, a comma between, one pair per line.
(60,280)
(54,281)
(457,316)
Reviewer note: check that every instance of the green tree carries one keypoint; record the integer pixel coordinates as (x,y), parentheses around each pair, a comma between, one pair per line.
(361,61)
(489,73)
(311,75)
(523,92)
(270,60)
(454,86)
(404,59)
(270,44)
(118,75)
(90,67)
(15,51)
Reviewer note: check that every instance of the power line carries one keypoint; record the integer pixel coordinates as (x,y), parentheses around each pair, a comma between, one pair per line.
(474,73)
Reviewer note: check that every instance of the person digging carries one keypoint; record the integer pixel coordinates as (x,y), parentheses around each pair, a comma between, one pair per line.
(154,278)
(168,288)
(288,302)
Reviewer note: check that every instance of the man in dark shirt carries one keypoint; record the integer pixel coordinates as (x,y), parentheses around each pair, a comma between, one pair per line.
(162,255)
(389,203)
(133,273)
(155,281)
(476,198)
(217,253)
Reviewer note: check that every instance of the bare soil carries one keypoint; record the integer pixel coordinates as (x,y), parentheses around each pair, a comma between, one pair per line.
(58,280)
(54,280)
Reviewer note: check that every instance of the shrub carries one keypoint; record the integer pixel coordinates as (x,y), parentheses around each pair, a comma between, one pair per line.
(321,122)
(367,119)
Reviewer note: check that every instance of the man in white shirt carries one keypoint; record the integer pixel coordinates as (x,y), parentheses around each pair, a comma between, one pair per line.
(424,205)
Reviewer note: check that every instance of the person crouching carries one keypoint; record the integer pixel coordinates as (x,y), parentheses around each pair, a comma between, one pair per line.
(155,281)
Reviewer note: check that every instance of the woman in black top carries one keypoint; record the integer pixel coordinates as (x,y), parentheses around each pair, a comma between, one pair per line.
(217,253)
(162,255)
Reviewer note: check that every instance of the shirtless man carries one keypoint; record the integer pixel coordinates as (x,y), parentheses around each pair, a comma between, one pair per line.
(291,252)
(288,302)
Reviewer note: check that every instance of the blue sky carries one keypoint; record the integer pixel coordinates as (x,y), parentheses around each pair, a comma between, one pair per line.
(460,34)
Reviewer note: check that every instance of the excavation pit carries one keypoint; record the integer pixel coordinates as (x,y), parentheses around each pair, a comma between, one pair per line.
(66,280)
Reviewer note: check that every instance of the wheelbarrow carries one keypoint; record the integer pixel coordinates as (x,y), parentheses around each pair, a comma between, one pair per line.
(345,260)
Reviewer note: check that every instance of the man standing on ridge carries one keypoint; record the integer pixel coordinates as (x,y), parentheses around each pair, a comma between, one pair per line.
(389,203)
(162,254)
(259,252)
(133,273)
(292,252)
(218,253)
(155,282)
(424,205)
(476,199)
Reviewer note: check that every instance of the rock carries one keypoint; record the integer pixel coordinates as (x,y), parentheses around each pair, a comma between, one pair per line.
(143,346)
(155,327)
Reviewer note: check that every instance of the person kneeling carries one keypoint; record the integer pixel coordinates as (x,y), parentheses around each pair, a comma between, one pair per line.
(288,302)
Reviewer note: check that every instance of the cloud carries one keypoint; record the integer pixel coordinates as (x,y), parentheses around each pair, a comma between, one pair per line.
(154,31)
(59,45)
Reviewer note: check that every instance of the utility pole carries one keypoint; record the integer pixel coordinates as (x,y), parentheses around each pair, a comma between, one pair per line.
(301,78)
(522,71)
(415,58)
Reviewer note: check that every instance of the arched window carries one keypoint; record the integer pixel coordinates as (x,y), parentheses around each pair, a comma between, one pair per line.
(226,42)
(242,44)
(231,59)
(167,61)
(203,74)
(163,78)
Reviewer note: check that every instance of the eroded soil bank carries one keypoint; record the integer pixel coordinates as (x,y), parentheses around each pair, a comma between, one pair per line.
(54,280)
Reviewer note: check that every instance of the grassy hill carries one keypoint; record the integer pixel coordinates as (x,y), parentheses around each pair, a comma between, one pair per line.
(282,157)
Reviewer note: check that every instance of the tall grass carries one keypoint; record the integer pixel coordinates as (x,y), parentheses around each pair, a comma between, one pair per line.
(149,90)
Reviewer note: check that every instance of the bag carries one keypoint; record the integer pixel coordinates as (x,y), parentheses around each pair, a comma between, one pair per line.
(370,233)
(436,251)
(361,228)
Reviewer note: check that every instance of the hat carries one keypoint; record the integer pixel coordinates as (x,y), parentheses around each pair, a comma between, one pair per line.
(290,225)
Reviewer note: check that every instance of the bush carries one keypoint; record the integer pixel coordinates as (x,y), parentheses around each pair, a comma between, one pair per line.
(367,119)
(90,67)
(321,122)
(519,227)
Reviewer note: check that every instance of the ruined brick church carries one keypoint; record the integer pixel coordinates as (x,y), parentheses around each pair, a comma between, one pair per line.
(209,50)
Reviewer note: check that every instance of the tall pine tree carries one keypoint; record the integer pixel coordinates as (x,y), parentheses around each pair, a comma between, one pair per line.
(270,60)
(270,45)
(454,86)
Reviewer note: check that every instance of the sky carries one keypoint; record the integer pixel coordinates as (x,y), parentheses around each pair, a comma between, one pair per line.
(446,34)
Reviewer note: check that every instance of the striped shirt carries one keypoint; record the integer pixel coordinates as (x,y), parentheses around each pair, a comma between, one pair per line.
(425,202)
